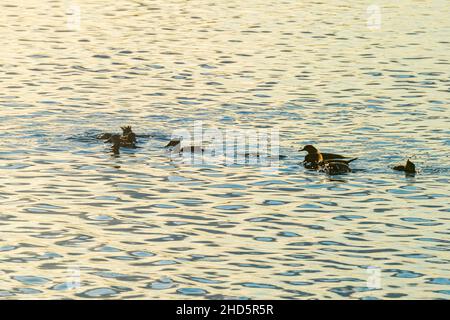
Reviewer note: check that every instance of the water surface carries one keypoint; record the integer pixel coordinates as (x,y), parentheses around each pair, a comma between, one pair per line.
(144,226)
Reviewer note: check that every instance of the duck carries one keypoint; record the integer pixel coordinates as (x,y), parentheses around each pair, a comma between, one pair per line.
(409,167)
(317,160)
(313,151)
(127,141)
(332,167)
(126,130)
(175,145)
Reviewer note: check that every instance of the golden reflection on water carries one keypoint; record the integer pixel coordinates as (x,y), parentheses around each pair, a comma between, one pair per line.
(143,226)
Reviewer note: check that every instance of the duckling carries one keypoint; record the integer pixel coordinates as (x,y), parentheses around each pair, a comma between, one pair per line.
(175,145)
(129,140)
(334,167)
(107,136)
(125,142)
(126,130)
(408,168)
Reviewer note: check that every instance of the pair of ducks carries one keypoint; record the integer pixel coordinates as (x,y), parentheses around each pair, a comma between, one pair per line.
(126,140)
(329,163)
(332,164)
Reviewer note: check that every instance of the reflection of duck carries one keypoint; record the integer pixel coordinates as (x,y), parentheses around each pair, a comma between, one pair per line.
(408,168)
(175,145)
(115,139)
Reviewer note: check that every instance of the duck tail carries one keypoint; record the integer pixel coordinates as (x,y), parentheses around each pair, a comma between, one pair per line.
(352,160)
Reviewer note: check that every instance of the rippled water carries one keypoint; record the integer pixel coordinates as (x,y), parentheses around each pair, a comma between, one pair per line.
(78,223)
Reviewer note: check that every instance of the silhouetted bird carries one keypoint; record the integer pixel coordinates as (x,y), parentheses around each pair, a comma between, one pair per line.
(127,134)
(408,168)
(124,141)
(333,167)
(314,158)
(313,151)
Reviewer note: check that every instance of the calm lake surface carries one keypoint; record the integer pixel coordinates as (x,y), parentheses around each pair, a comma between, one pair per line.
(76,222)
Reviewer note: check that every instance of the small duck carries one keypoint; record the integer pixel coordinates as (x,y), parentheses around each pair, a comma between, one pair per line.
(129,140)
(126,130)
(175,145)
(126,142)
(408,168)
(334,167)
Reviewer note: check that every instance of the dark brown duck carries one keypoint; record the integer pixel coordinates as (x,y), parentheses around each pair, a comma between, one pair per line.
(409,167)
(334,167)
(314,159)
(126,131)
(313,152)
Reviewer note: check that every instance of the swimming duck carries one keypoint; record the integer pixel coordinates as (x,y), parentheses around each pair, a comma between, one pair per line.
(334,167)
(124,141)
(175,145)
(126,130)
(313,151)
(408,168)
(129,140)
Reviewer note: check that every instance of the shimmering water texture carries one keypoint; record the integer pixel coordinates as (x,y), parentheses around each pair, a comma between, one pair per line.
(76,222)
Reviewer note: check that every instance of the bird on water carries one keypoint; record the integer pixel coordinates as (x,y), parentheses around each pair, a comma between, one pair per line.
(127,135)
(331,162)
(332,167)
(409,167)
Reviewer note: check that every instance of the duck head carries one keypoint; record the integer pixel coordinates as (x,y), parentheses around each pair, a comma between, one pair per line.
(310,149)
